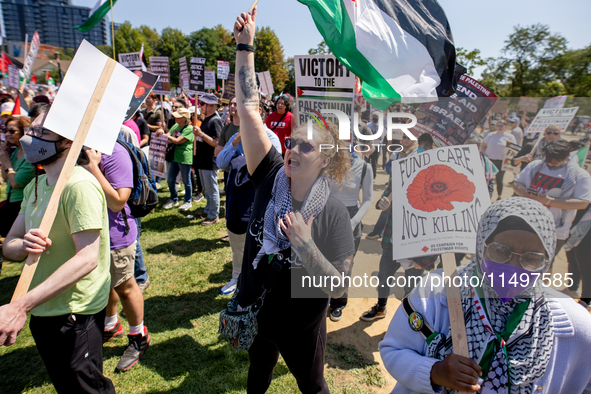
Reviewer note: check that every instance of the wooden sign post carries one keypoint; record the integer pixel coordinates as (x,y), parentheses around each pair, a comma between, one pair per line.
(31,263)
(454,307)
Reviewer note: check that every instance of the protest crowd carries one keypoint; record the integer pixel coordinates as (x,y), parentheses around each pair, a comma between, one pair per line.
(292,210)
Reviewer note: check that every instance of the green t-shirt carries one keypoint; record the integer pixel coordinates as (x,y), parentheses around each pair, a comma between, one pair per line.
(227,132)
(83,206)
(25,171)
(183,153)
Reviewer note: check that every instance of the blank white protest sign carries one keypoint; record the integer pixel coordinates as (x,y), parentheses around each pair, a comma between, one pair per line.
(74,96)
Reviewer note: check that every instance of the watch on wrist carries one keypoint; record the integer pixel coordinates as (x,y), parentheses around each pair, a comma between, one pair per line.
(9,169)
(245,47)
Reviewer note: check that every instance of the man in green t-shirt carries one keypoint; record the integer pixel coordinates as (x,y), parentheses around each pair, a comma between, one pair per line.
(181,135)
(70,287)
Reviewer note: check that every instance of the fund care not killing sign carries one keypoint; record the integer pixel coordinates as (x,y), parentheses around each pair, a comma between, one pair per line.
(438,197)
(323,82)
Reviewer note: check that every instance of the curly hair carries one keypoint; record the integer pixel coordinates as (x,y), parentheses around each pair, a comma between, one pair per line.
(340,159)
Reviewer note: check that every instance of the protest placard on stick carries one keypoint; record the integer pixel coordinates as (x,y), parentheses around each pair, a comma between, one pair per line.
(102,88)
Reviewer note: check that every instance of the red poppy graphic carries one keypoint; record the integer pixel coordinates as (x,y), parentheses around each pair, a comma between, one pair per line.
(437,186)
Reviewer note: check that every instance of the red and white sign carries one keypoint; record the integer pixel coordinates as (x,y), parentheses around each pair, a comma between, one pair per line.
(223,69)
(35,43)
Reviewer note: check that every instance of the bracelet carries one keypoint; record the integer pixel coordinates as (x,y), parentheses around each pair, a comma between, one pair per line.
(245,47)
(9,169)
(550,199)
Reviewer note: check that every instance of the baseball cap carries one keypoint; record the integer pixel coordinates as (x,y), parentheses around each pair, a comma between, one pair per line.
(6,109)
(514,120)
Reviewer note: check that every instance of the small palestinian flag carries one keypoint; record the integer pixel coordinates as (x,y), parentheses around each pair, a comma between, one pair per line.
(398,48)
(49,80)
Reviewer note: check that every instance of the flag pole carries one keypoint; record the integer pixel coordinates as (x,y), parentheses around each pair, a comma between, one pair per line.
(112,30)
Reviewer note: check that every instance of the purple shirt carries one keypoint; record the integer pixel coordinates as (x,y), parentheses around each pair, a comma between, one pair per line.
(118,170)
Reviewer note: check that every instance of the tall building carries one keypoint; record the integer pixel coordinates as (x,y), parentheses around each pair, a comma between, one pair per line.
(53,19)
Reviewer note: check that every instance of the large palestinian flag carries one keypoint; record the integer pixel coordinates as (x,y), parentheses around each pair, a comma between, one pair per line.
(97,13)
(398,48)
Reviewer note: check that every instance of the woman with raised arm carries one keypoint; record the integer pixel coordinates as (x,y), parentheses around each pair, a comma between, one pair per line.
(293,210)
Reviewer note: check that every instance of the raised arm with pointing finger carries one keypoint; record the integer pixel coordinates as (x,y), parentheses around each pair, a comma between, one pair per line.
(255,142)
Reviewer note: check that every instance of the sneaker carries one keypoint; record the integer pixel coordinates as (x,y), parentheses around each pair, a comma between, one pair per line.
(209,222)
(376,312)
(134,352)
(144,285)
(225,239)
(186,206)
(336,314)
(373,235)
(115,332)
(229,288)
(198,197)
(170,204)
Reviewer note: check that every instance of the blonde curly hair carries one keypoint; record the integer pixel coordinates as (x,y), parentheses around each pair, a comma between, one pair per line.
(340,159)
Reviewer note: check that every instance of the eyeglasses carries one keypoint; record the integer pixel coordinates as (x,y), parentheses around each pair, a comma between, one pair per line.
(291,143)
(280,103)
(35,131)
(551,133)
(12,131)
(531,261)
(201,103)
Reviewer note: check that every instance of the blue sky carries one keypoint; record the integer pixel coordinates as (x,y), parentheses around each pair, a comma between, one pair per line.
(475,23)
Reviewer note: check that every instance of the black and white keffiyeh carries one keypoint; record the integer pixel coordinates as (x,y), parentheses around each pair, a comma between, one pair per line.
(274,239)
(529,347)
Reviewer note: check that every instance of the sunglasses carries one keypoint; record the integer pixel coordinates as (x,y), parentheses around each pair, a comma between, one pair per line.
(551,133)
(201,103)
(12,131)
(291,143)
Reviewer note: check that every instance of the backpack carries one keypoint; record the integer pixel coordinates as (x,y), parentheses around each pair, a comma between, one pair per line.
(144,195)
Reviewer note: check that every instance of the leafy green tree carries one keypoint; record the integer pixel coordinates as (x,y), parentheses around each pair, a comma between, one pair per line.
(268,56)
(213,45)
(173,44)
(469,59)
(290,85)
(528,53)
(573,70)
(321,49)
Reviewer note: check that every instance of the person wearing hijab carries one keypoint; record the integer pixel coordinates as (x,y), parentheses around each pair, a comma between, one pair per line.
(522,337)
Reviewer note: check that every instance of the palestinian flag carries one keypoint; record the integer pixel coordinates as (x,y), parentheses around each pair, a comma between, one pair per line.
(398,48)
(20,106)
(5,63)
(49,80)
(143,57)
(97,13)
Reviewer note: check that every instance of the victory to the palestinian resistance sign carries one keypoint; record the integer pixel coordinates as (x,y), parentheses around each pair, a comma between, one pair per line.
(323,82)
(438,197)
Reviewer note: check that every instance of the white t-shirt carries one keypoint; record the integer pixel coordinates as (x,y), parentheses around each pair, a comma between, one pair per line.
(548,181)
(518,134)
(495,145)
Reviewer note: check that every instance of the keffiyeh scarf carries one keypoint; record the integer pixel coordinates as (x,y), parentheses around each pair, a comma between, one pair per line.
(274,239)
(513,342)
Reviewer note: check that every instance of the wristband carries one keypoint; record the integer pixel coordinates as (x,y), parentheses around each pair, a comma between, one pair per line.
(245,47)
(9,169)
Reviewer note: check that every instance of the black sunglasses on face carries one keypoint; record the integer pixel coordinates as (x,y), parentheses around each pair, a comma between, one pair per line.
(551,133)
(291,143)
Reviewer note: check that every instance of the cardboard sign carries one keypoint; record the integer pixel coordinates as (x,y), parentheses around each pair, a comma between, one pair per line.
(322,81)
(74,97)
(560,117)
(266,83)
(209,79)
(197,76)
(500,107)
(142,90)
(511,150)
(229,88)
(529,104)
(159,66)
(555,102)
(451,120)
(438,197)
(157,155)
(32,55)
(223,69)
(131,61)
(183,66)
(185,82)
(13,77)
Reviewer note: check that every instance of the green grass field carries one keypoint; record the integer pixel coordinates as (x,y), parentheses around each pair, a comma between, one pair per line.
(187,264)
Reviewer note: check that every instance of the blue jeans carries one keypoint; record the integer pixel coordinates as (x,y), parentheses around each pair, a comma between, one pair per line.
(381,223)
(388,267)
(173,171)
(139,268)
(209,179)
